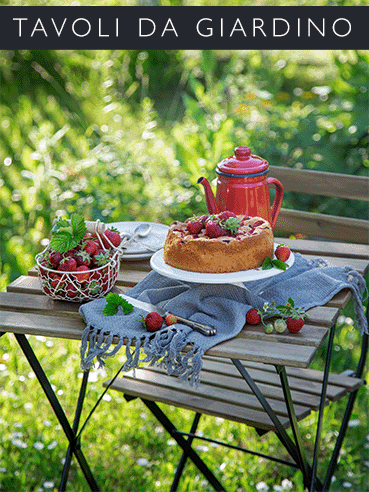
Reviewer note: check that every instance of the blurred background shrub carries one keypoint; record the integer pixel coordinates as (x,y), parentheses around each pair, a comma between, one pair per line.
(124,135)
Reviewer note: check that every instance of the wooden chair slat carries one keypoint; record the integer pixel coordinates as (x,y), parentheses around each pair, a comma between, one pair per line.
(328,248)
(225,395)
(143,265)
(359,265)
(323,226)
(196,403)
(260,375)
(224,381)
(310,375)
(322,183)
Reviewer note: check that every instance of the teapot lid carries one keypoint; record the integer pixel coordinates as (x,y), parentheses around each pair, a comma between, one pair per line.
(242,163)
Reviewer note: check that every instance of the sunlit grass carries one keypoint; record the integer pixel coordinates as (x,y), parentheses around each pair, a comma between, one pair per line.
(126,447)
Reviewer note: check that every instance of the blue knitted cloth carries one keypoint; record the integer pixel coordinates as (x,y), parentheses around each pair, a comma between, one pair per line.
(309,282)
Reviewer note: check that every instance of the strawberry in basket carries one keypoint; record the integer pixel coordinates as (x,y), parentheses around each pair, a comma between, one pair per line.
(81,261)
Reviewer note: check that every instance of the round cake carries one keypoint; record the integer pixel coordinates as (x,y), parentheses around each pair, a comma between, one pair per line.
(220,243)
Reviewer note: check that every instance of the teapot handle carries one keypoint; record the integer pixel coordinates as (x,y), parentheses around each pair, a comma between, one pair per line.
(277,203)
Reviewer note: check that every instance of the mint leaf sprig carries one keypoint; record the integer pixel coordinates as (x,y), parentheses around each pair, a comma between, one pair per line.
(113,302)
(268,263)
(66,234)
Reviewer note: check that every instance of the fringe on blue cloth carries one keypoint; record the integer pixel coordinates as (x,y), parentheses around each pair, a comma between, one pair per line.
(309,282)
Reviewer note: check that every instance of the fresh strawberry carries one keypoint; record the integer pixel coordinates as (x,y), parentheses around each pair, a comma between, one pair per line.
(194,226)
(56,283)
(67,264)
(253,317)
(226,215)
(93,287)
(269,328)
(90,247)
(203,219)
(114,237)
(71,290)
(83,258)
(71,253)
(55,258)
(213,229)
(44,263)
(84,275)
(282,252)
(153,321)
(294,325)
(46,289)
(280,325)
(100,258)
(170,319)
(107,274)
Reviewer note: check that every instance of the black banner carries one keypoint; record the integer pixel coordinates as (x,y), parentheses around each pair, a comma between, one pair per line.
(234,28)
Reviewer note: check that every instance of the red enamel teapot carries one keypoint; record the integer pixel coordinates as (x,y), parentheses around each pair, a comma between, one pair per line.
(243,188)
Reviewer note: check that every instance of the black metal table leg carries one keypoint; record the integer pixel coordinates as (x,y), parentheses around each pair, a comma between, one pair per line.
(183,459)
(77,416)
(295,451)
(321,409)
(184,444)
(348,411)
(304,466)
(59,412)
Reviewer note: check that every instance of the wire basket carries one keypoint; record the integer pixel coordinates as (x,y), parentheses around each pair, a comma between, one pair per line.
(80,286)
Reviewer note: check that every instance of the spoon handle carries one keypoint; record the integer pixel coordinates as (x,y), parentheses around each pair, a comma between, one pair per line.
(142,244)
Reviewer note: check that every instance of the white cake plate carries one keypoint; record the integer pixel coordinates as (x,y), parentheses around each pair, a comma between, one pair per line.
(157,263)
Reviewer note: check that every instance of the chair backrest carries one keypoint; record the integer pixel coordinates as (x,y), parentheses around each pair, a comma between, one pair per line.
(319,225)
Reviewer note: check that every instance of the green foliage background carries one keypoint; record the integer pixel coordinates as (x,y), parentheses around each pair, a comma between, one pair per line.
(124,135)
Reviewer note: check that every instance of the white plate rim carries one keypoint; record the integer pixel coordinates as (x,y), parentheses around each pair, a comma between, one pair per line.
(157,264)
(141,253)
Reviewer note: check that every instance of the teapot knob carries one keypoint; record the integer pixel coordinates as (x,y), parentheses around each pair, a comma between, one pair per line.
(242,153)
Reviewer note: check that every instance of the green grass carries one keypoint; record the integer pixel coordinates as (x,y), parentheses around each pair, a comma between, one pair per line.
(129,451)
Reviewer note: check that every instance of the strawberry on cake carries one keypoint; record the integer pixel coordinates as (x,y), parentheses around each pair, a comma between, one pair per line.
(220,243)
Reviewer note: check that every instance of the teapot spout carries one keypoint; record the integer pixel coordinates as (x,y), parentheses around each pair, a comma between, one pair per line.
(209,196)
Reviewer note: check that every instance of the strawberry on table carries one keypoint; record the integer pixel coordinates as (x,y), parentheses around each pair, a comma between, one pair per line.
(282,252)
(253,317)
(280,325)
(294,325)
(170,319)
(152,321)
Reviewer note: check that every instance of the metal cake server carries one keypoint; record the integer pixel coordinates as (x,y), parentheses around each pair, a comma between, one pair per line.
(201,328)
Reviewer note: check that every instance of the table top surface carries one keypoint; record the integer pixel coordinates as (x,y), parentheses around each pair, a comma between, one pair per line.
(25,309)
